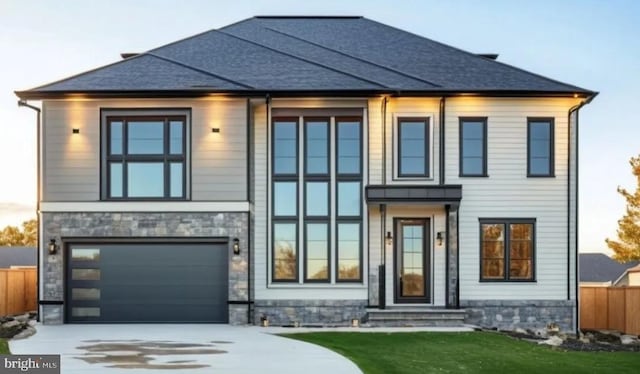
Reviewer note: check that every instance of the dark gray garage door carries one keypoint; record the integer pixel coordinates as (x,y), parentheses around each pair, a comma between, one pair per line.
(177,282)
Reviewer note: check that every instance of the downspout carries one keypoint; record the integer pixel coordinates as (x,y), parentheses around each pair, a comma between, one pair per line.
(442,139)
(249,197)
(382,271)
(23,103)
(573,109)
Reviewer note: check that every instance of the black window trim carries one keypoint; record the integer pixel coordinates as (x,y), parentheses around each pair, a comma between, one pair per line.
(507,234)
(306,278)
(337,259)
(351,177)
(273,250)
(427,148)
(274,121)
(551,122)
(288,177)
(484,121)
(320,176)
(126,115)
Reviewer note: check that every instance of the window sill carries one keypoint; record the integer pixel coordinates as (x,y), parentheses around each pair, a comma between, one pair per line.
(284,286)
(473,175)
(541,176)
(508,281)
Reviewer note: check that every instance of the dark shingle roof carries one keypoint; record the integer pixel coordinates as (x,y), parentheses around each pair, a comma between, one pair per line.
(597,267)
(17,256)
(307,54)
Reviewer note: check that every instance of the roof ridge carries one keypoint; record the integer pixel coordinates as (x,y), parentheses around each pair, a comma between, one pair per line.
(206,72)
(408,75)
(483,59)
(304,59)
(306,17)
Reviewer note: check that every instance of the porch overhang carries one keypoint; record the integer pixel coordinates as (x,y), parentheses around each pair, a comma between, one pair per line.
(450,194)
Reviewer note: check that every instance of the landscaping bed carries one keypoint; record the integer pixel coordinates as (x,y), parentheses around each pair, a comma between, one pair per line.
(586,341)
(18,326)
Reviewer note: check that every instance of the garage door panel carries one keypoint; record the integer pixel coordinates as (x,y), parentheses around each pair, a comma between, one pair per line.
(173,282)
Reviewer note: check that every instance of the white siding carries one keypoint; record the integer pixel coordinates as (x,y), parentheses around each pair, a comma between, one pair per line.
(71,164)
(508,193)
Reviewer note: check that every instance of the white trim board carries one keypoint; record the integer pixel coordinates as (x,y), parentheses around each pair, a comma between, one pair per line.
(145,206)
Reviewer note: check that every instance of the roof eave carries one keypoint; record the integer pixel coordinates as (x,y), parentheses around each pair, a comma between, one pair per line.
(191,93)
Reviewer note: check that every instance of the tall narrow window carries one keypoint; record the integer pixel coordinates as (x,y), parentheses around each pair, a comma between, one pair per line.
(507,249)
(317,192)
(540,147)
(349,200)
(145,157)
(413,147)
(285,200)
(473,147)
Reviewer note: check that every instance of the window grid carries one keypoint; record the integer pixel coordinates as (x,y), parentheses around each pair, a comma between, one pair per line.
(121,160)
(317,200)
(507,250)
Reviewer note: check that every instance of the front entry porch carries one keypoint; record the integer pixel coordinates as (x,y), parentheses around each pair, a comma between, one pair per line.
(413,249)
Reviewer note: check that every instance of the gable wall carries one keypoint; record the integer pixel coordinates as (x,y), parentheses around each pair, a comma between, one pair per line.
(71,167)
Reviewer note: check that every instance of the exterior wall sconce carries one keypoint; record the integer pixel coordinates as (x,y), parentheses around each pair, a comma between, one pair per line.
(440,238)
(215,130)
(236,246)
(355,322)
(53,246)
(75,130)
(389,238)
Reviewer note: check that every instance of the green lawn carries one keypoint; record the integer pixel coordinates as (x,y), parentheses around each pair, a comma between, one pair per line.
(4,347)
(469,352)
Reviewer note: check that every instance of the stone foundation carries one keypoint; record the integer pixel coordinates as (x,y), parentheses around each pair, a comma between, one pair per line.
(309,312)
(525,314)
(100,226)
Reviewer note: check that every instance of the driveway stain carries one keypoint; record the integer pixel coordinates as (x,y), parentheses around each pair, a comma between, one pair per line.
(139,354)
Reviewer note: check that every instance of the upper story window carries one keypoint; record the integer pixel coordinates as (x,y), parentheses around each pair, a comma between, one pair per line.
(507,249)
(316,199)
(540,147)
(413,147)
(473,147)
(144,157)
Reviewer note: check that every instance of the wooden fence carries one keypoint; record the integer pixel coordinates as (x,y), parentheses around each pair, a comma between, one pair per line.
(17,290)
(610,308)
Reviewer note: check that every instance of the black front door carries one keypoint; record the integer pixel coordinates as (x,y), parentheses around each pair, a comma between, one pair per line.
(411,260)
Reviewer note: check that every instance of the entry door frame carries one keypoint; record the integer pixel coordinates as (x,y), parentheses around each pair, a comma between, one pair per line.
(398,223)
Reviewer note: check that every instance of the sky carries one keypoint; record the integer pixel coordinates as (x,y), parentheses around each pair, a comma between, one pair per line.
(588,43)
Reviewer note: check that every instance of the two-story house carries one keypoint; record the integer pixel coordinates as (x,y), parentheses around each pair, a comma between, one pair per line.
(312,170)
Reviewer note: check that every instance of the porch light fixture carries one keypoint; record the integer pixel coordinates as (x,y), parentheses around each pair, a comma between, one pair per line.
(53,246)
(236,246)
(389,238)
(440,238)
(75,130)
(215,130)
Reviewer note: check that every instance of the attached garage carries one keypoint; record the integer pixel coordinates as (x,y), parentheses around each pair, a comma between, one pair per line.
(182,282)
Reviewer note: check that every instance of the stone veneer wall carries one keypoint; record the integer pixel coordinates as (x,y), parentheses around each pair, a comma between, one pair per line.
(526,314)
(309,312)
(104,225)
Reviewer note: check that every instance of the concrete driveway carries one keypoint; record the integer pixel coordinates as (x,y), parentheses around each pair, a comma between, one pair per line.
(179,348)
